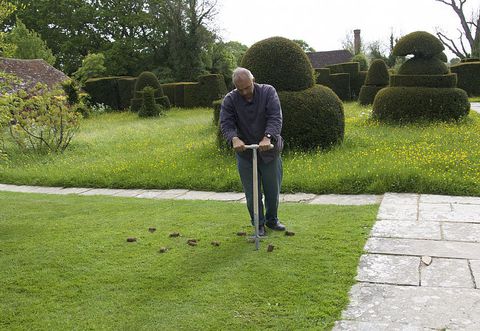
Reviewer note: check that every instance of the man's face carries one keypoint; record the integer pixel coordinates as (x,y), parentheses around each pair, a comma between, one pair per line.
(245,87)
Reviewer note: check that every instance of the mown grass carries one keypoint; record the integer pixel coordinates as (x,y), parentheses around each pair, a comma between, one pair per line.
(179,151)
(66,265)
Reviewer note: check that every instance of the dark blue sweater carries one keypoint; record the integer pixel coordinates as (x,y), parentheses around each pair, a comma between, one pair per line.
(249,121)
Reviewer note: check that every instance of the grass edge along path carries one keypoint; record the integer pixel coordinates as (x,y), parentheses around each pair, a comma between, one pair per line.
(66,265)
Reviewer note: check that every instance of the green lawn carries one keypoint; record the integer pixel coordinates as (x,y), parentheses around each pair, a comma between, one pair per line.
(66,265)
(120,150)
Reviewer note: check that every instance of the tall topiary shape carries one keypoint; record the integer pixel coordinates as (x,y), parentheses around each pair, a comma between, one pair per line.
(377,78)
(468,72)
(423,89)
(147,79)
(281,63)
(149,107)
(312,114)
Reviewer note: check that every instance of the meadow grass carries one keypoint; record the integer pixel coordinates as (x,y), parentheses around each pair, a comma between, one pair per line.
(66,265)
(120,150)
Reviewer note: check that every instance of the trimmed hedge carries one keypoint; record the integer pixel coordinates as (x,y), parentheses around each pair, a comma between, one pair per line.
(210,88)
(126,87)
(448,80)
(145,79)
(352,68)
(409,104)
(281,63)
(149,107)
(180,94)
(442,57)
(377,74)
(362,61)
(418,43)
(468,77)
(340,84)
(423,66)
(103,90)
(169,91)
(312,118)
(368,93)
(163,102)
(217,106)
(191,95)
(323,77)
(470,59)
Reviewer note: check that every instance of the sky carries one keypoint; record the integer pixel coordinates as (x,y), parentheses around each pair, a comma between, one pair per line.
(324,24)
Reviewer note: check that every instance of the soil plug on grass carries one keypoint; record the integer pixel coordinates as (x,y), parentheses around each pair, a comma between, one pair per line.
(270,248)
(163,250)
(215,243)
(289,233)
(241,234)
(192,242)
(131,239)
(152,230)
(174,234)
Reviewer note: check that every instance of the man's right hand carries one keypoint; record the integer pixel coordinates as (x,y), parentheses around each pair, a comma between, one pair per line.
(238,144)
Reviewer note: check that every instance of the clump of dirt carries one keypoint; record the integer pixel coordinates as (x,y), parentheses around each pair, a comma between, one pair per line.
(131,239)
(192,242)
(241,234)
(163,250)
(215,243)
(289,233)
(152,230)
(174,234)
(270,248)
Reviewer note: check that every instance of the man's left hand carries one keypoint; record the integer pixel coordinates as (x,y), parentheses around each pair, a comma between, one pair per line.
(265,145)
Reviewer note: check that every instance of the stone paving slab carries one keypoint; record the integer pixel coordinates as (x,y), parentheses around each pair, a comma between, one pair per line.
(227,196)
(370,326)
(416,247)
(73,190)
(431,199)
(406,229)
(449,212)
(350,200)
(297,197)
(447,273)
(427,307)
(194,195)
(475,266)
(129,193)
(162,194)
(389,269)
(461,231)
(400,199)
(101,191)
(398,212)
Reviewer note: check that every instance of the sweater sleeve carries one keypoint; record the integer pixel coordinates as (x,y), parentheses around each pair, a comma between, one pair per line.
(273,114)
(228,119)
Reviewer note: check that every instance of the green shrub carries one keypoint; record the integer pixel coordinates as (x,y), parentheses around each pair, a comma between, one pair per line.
(217,106)
(72,91)
(126,87)
(281,63)
(163,102)
(423,66)
(191,99)
(340,84)
(468,77)
(312,118)
(448,80)
(136,104)
(442,57)
(408,104)
(180,94)
(377,74)
(418,43)
(323,76)
(210,88)
(368,93)
(169,91)
(103,90)
(148,78)
(362,61)
(149,107)
(356,84)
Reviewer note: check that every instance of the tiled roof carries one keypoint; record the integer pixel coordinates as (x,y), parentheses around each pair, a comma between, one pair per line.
(32,72)
(322,59)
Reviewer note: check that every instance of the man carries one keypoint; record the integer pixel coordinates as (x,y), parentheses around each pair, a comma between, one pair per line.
(251,114)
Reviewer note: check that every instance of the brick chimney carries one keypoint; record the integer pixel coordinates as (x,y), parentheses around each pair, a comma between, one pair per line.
(357,43)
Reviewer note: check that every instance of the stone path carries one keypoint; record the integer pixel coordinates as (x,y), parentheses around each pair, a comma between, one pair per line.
(421,269)
(475,106)
(335,199)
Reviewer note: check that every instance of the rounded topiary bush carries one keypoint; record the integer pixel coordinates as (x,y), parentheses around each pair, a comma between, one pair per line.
(407,104)
(423,66)
(418,43)
(442,57)
(377,74)
(448,80)
(148,78)
(149,107)
(281,63)
(468,77)
(362,61)
(312,118)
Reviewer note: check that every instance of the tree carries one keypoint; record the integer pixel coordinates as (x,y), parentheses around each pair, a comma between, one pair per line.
(304,45)
(92,66)
(376,50)
(237,49)
(6,9)
(28,44)
(469,31)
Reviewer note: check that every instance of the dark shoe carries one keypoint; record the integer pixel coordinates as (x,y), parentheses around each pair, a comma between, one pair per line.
(276,226)
(261,231)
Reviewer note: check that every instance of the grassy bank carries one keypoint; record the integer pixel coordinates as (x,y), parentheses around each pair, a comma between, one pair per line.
(179,151)
(66,265)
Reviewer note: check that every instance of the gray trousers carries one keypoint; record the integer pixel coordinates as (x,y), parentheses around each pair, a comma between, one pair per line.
(270,179)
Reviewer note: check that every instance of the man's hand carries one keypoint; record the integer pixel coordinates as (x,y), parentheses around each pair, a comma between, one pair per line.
(265,145)
(238,144)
